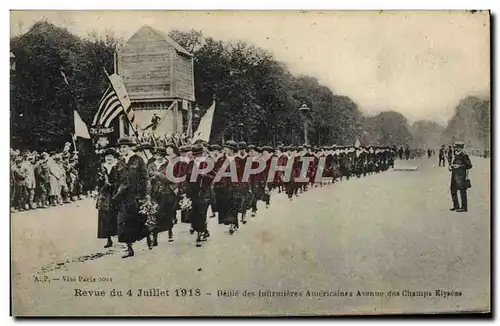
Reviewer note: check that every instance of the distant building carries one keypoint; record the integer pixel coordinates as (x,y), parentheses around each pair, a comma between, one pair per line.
(158,74)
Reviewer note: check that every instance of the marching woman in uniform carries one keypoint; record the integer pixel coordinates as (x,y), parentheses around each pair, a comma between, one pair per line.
(198,191)
(172,153)
(282,160)
(162,193)
(234,198)
(344,171)
(181,170)
(314,169)
(287,182)
(215,155)
(256,181)
(108,184)
(221,188)
(328,171)
(131,194)
(243,185)
(267,156)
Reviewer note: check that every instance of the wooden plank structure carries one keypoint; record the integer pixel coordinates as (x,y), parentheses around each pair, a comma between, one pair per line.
(158,74)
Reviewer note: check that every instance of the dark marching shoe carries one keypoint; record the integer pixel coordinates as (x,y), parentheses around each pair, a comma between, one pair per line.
(149,243)
(155,242)
(170,236)
(175,220)
(205,235)
(267,206)
(108,244)
(462,210)
(231,230)
(198,240)
(128,254)
(191,231)
(453,209)
(212,216)
(253,214)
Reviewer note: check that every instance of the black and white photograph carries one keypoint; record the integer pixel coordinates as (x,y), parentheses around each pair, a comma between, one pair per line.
(250,163)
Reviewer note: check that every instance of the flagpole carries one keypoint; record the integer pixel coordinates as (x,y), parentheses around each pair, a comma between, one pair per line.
(74,142)
(129,122)
(70,91)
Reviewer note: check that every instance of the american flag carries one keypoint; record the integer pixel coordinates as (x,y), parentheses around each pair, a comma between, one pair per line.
(110,108)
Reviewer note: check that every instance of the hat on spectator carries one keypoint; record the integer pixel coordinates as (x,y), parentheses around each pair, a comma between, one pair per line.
(126,141)
(231,145)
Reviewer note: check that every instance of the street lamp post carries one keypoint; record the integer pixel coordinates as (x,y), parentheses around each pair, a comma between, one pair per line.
(241,125)
(303,111)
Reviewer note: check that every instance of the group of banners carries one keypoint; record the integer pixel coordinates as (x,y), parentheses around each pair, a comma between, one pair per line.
(115,103)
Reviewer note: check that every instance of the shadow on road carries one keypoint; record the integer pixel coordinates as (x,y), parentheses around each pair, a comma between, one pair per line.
(64,265)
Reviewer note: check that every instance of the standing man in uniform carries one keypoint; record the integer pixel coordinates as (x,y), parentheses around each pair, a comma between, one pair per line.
(42,174)
(28,171)
(459,177)
(441,155)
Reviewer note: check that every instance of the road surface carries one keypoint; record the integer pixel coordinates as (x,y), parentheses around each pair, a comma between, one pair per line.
(381,235)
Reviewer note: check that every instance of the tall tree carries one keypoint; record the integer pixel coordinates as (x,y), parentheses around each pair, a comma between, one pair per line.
(41,106)
(471,123)
(426,134)
(387,128)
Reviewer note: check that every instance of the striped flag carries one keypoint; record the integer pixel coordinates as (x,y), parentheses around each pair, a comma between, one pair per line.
(110,107)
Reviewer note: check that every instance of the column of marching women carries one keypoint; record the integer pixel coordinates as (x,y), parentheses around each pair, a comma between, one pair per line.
(145,190)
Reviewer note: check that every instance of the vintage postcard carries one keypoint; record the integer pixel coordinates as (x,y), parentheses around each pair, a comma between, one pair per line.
(249,163)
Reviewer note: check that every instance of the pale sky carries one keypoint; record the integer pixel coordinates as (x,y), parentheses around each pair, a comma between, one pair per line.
(418,63)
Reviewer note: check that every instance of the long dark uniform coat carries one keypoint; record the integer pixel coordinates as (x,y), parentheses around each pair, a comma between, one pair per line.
(235,198)
(459,174)
(130,195)
(222,191)
(257,185)
(243,187)
(199,193)
(107,210)
(162,193)
(462,163)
